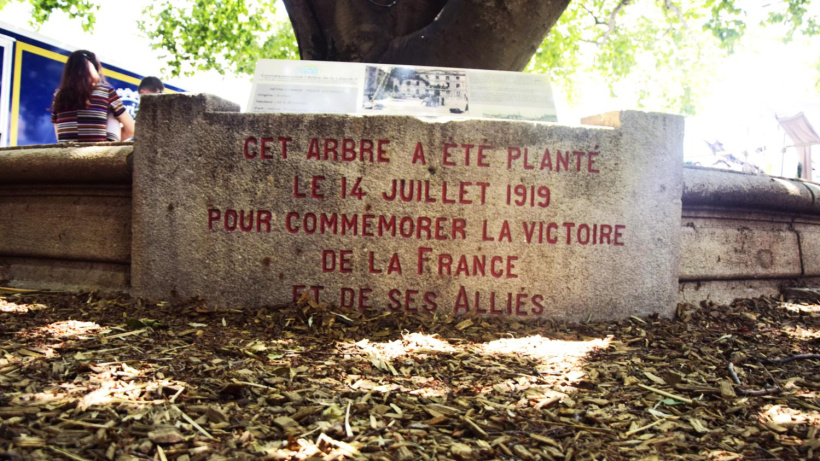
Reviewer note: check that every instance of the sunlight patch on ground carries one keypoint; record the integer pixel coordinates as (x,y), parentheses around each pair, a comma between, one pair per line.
(116,383)
(13,308)
(554,365)
(67,329)
(785,416)
(803,334)
(544,348)
(801,307)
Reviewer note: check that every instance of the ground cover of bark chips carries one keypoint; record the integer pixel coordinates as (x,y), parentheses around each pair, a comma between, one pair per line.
(84,377)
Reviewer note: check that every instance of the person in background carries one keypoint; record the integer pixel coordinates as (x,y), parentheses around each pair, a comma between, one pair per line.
(85,107)
(151,85)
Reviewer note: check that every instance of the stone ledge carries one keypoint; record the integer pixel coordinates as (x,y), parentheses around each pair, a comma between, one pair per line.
(729,189)
(62,275)
(70,163)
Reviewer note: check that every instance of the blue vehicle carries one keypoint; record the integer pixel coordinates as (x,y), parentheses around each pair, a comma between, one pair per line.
(30,70)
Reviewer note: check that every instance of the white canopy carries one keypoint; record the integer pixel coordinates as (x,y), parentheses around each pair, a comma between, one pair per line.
(803,137)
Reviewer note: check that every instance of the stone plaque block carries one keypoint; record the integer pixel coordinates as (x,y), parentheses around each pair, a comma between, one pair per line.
(481,217)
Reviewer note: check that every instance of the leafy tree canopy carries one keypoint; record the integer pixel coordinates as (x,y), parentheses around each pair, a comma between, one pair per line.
(666,48)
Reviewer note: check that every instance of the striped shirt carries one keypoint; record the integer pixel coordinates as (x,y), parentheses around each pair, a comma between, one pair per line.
(89,124)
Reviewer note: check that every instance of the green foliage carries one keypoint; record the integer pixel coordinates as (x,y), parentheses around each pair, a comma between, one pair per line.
(83,10)
(661,52)
(228,36)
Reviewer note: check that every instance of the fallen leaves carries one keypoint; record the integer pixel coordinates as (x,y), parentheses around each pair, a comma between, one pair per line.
(84,377)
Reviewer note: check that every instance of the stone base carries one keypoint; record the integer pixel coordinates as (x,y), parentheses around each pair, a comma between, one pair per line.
(61,275)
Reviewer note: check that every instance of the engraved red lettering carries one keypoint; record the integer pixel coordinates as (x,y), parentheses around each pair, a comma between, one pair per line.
(462,192)
(230,220)
(467,148)
(583,234)
(410,301)
(520,302)
(242,225)
(446,155)
(561,159)
(618,235)
(445,264)
(348,150)
(527,165)
(213,216)
(347,297)
(546,161)
(482,157)
(288,219)
(462,303)
(296,193)
(284,141)
(246,150)
(459,228)
(381,152)
(539,308)
(263,217)
(578,155)
(371,265)
(606,231)
(418,155)
(395,303)
(430,301)
(550,238)
(496,273)
(363,298)
(424,227)
(315,190)
(511,156)
(591,161)
(366,146)
(297,292)
(263,152)
(394,266)
(569,226)
(422,258)
(330,148)
(511,267)
(313,150)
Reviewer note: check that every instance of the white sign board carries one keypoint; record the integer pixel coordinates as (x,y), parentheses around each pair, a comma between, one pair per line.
(282,86)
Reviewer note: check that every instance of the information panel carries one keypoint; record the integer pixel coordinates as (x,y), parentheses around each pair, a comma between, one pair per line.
(283,86)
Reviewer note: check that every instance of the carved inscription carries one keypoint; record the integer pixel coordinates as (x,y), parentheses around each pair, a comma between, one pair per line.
(422,232)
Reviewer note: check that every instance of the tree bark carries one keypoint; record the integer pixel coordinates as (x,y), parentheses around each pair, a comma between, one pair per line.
(479,34)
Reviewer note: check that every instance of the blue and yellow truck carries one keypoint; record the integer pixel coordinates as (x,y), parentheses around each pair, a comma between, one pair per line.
(30,69)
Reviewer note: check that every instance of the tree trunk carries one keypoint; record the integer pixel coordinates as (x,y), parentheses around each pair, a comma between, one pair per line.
(479,34)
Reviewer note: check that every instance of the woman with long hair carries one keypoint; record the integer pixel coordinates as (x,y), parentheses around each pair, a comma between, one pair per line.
(86,108)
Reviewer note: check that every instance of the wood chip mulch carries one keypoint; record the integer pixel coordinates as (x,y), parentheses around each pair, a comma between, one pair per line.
(85,377)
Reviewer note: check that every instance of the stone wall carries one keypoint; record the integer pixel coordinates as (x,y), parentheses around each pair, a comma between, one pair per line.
(65,223)
(65,217)
(479,216)
(745,235)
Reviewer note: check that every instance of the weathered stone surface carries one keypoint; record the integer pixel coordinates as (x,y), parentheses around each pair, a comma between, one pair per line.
(809,232)
(62,275)
(713,249)
(200,176)
(721,188)
(726,291)
(80,223)
(75,163)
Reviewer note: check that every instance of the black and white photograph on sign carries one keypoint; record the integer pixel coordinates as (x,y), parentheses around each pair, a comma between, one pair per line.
(403,90)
